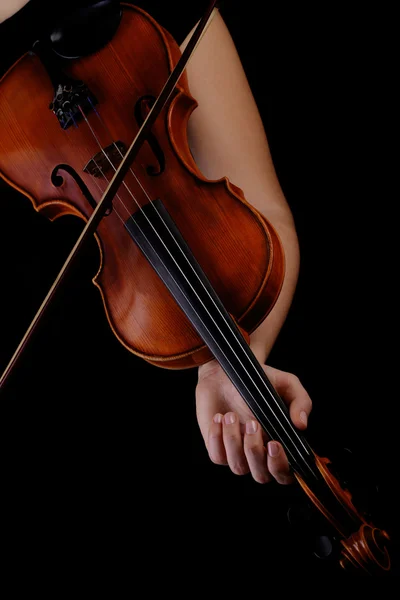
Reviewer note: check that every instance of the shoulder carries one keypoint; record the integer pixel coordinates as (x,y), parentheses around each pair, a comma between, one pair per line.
(8,8)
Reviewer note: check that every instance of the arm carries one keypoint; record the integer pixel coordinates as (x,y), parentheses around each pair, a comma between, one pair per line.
(227,138)
(9,7)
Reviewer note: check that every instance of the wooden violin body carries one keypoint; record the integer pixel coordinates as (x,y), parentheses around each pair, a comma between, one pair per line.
(236,247)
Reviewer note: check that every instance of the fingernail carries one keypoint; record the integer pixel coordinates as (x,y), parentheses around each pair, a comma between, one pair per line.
(303,417)
(251,427)
(230,418)
(273,449)
(218,419)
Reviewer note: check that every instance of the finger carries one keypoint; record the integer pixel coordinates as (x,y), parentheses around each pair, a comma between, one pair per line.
(234,445)
(294,395)
(278,464)
(216,448)
(255,452)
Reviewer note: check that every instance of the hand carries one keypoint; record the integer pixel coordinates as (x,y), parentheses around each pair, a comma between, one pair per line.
(232,435)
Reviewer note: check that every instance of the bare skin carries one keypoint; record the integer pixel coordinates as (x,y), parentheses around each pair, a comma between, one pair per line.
(227,138)
(9,7)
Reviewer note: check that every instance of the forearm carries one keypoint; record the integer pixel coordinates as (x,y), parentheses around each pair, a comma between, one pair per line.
(227,138)
(263,338)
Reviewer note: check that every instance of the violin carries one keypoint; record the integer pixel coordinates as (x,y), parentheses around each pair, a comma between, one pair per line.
(188,268)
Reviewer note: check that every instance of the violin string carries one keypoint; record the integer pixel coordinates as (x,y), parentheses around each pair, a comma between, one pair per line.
(191,286)
(104,125)
(166,227)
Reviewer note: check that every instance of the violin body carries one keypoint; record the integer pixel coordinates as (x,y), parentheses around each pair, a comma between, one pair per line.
(236,247)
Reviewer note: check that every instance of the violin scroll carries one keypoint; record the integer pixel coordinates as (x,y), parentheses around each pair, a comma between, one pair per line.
(363,545)
(366,549)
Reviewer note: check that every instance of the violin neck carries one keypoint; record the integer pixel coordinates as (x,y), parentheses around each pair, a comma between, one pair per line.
(157,236)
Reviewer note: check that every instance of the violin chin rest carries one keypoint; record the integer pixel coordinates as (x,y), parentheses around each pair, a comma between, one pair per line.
(86,29)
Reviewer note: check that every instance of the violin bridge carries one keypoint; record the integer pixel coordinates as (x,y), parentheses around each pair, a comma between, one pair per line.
(106,160)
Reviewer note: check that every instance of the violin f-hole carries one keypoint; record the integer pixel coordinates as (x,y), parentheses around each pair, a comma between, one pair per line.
(142,107)
(57,180)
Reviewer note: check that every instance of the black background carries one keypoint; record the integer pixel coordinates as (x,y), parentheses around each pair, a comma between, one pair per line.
(101,450)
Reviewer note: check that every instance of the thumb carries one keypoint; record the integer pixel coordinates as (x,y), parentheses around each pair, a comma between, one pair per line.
(207,406)
(293,394)
(210,421)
